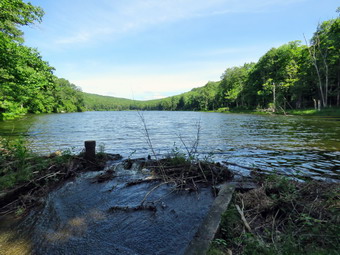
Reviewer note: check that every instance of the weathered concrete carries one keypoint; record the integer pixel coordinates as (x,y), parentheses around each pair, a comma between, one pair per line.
(87,216)
(206,232)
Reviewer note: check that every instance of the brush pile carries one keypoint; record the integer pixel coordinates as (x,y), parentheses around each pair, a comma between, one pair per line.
(189,174)
(282,216)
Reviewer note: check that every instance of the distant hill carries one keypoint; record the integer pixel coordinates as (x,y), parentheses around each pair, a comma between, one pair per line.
(106,103)
(201,98)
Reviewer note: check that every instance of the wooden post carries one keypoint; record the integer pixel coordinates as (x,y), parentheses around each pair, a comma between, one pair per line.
(90,150)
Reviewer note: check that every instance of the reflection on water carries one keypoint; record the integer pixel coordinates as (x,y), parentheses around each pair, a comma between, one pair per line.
(309,145)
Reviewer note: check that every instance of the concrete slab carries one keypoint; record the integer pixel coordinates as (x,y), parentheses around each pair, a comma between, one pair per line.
(206,232)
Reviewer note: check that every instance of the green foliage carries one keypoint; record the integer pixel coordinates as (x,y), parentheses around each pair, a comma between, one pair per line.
(105,103)
(16,13)
(18,164)
(200,99)
(177,158)
(13,164)
(27,83)
(324,112)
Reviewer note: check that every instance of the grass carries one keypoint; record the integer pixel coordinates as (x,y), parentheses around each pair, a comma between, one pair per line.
(312,112)
(242,111)
(326,112)
(284,217)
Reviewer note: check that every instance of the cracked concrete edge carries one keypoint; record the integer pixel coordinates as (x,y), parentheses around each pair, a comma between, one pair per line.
(200,244)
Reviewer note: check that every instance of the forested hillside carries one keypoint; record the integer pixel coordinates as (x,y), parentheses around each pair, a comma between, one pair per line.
(27,83)
(197,99)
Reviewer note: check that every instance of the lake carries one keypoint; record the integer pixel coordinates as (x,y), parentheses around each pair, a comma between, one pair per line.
(287,144)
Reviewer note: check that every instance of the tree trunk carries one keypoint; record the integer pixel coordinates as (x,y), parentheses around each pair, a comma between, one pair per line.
(274,97)
(338,95)
(315,105)
(312,54)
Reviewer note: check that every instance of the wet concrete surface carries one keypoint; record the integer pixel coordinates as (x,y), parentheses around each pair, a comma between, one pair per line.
(86,217)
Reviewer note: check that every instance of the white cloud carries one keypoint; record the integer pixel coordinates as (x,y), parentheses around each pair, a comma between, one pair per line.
(107,18)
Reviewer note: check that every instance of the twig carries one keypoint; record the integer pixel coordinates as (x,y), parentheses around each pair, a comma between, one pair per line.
(200,167)
(148,140)
(184,144)
(244,220)
(273,225)
(147,194)
(195,145)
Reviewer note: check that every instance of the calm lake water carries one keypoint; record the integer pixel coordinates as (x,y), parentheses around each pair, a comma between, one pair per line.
(307,145)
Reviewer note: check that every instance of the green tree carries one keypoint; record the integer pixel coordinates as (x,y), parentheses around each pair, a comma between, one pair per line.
(231,88)
(324,54)
(27,83)
(16,13)
(274,76)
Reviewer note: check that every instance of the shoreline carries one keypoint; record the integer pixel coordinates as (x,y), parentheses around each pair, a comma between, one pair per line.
(326,112)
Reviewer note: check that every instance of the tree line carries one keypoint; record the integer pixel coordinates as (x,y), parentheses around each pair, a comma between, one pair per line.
(27,82)
(292,76)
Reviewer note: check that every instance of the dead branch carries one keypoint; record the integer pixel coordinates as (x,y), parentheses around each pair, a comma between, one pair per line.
(244,220)
(154,188)
(136,182)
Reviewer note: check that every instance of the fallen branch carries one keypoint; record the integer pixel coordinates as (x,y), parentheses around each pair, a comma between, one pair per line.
(244,220)
(133,208)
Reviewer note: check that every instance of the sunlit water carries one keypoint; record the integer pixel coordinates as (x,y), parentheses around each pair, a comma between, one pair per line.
(305,145)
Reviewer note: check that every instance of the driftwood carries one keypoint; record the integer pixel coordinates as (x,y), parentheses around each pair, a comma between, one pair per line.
(133,208)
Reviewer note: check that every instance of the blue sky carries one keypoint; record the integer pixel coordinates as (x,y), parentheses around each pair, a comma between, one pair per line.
(146,49)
